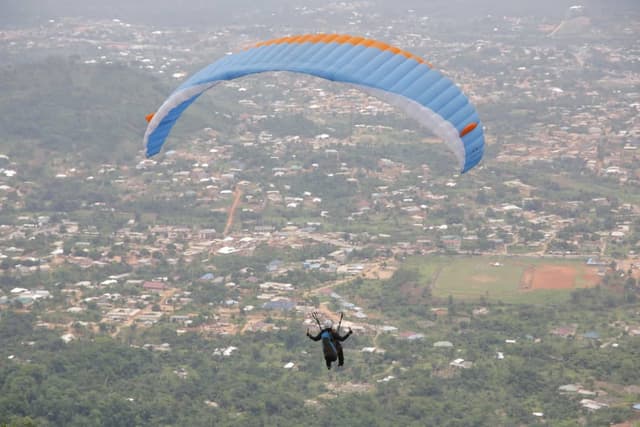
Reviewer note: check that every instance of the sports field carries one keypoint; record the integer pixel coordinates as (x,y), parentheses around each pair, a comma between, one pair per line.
(508,279)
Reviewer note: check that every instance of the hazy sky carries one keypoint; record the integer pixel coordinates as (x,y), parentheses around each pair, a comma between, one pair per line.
(217,12)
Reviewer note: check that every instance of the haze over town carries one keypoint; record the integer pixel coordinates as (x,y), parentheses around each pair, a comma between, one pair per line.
(280,194)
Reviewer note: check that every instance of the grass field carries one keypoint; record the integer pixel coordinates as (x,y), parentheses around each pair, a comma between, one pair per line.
(508,279)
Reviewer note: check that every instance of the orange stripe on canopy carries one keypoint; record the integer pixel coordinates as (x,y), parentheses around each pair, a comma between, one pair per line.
(148,117)
(342,39)
(468,128)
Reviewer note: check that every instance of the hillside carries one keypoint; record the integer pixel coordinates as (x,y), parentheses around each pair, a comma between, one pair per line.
(97,111)
(74,109)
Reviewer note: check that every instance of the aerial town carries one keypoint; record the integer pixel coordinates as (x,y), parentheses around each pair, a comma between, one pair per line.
(234,227)
(596,127)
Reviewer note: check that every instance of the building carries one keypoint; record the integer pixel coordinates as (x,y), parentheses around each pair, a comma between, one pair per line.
(451,243)
(154,286)
(461,363)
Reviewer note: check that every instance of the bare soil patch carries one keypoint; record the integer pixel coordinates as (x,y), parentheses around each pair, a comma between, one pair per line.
(550,276)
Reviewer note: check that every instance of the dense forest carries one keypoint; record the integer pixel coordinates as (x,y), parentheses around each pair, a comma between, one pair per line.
(61,105)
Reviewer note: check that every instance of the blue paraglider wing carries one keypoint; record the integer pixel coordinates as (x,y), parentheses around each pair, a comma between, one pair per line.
(384,71)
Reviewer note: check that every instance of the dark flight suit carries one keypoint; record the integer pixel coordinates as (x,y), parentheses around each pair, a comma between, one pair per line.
(331,346)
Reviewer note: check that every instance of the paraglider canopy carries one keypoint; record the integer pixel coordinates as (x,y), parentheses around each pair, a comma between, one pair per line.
(387,72)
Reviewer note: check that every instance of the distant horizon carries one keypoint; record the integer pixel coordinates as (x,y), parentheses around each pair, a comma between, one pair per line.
(225,12)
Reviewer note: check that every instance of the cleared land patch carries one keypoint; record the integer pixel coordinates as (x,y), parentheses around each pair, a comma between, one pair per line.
(514,280)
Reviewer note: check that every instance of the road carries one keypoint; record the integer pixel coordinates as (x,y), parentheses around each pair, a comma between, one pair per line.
(232,211)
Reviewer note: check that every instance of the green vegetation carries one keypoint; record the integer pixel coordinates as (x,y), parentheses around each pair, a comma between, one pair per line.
(64,106)
(438,276)
(101,381)
(495,279)
(381,195)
